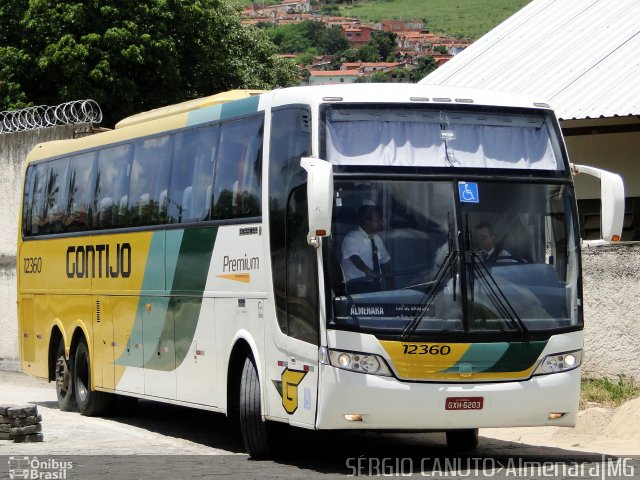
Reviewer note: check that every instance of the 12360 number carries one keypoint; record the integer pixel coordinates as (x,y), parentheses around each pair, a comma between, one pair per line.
(33,265)
(424,349)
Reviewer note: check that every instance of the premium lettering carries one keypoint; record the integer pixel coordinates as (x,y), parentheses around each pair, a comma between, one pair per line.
(99,261)
(241,264)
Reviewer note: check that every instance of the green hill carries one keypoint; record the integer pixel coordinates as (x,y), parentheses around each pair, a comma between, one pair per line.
(460,18)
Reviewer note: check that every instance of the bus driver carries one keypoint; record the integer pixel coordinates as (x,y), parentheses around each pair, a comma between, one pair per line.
(363,252)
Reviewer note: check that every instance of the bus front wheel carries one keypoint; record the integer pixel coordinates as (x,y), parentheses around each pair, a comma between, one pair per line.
(90,402)
(64,381)
(462,440)
(254,430)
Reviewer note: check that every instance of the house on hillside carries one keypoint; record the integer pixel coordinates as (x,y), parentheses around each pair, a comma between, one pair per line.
(582,59)
(330,77)
(321,62)
(357,36)
(398,26)
(297,5)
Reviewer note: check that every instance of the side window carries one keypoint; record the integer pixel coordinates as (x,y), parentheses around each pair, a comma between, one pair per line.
(111,187)
(149,181)
(191,179)
(302,285)
(28,216)
(79,192)
(237,186)
(48,206)
(290,141)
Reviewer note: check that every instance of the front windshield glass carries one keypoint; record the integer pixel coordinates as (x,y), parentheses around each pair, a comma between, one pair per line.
(392,256)
(413,258)
(522,261)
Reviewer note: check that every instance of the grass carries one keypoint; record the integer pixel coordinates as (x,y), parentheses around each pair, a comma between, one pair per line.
(458,18)
(608,393)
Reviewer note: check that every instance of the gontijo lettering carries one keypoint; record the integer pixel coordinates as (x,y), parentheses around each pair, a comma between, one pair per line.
(84,261)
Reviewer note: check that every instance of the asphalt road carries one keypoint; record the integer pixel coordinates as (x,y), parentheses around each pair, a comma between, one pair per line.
(162,441)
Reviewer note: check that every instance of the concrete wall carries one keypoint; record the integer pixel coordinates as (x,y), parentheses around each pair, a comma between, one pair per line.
(611,280)
(616,152)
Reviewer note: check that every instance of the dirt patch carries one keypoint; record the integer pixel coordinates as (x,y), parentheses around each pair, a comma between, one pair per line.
(625,422)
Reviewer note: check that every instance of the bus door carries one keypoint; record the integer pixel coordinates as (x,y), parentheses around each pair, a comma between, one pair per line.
(103,344)
(299,374)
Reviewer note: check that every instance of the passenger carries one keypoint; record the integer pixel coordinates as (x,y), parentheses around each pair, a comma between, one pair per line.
(485,242)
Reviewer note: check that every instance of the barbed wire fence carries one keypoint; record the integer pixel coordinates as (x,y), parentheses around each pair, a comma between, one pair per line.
(43,116)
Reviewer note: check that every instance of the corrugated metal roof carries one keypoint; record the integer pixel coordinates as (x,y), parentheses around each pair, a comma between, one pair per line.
(581,56)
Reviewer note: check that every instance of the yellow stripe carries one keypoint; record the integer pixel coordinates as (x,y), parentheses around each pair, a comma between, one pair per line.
(423,360)
(238,277)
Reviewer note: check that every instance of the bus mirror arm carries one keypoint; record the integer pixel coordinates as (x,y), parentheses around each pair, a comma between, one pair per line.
(319,197)
(612,201)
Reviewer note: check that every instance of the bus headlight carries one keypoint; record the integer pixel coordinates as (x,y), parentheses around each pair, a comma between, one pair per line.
(559,362)
(359,362)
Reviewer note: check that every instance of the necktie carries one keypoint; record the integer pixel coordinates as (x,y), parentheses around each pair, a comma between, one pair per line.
(374,256)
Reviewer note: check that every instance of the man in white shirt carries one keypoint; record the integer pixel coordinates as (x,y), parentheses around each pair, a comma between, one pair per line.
(363,252)
(485,241)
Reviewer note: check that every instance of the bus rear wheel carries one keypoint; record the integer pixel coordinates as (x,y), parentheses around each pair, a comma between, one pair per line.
(254,430)
(90,402)
(64,381)
(462,440)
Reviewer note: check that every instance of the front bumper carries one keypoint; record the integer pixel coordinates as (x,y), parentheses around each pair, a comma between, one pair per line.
(388,403)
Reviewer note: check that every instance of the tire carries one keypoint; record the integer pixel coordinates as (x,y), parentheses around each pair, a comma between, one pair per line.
(462,440)
(64,381)
(90,402)
(254,430)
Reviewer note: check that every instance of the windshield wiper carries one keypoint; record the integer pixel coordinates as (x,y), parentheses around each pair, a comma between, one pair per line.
(435,286)
(497,296)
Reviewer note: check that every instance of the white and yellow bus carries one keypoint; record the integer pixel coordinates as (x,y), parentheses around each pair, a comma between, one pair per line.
(204,255)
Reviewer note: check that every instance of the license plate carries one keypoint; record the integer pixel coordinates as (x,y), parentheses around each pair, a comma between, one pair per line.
(464,403)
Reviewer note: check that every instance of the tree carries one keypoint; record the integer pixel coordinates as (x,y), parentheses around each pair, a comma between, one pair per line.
(130,55)
(384,43)
(426,65)
(368,53)
(303,36)
(379,77)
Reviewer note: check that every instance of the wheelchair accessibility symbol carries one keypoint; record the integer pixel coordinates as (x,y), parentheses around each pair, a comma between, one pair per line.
(468,192)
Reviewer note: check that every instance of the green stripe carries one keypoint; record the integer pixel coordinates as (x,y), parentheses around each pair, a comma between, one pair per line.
(173,241)
(171,321)
(519,357)
(499,357)
(480,356)
(190,276)
(194,258)
(224,111)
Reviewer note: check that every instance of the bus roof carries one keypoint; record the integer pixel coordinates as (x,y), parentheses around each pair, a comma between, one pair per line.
(188,106)
(238,102)
(403,93)
(146,123)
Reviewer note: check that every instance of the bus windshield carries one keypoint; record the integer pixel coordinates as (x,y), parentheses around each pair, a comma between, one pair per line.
(422,257)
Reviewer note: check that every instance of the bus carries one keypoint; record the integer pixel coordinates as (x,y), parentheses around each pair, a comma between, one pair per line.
(375,257)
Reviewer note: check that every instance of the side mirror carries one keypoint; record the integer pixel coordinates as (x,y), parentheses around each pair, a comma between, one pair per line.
(319,197)
(612,201)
